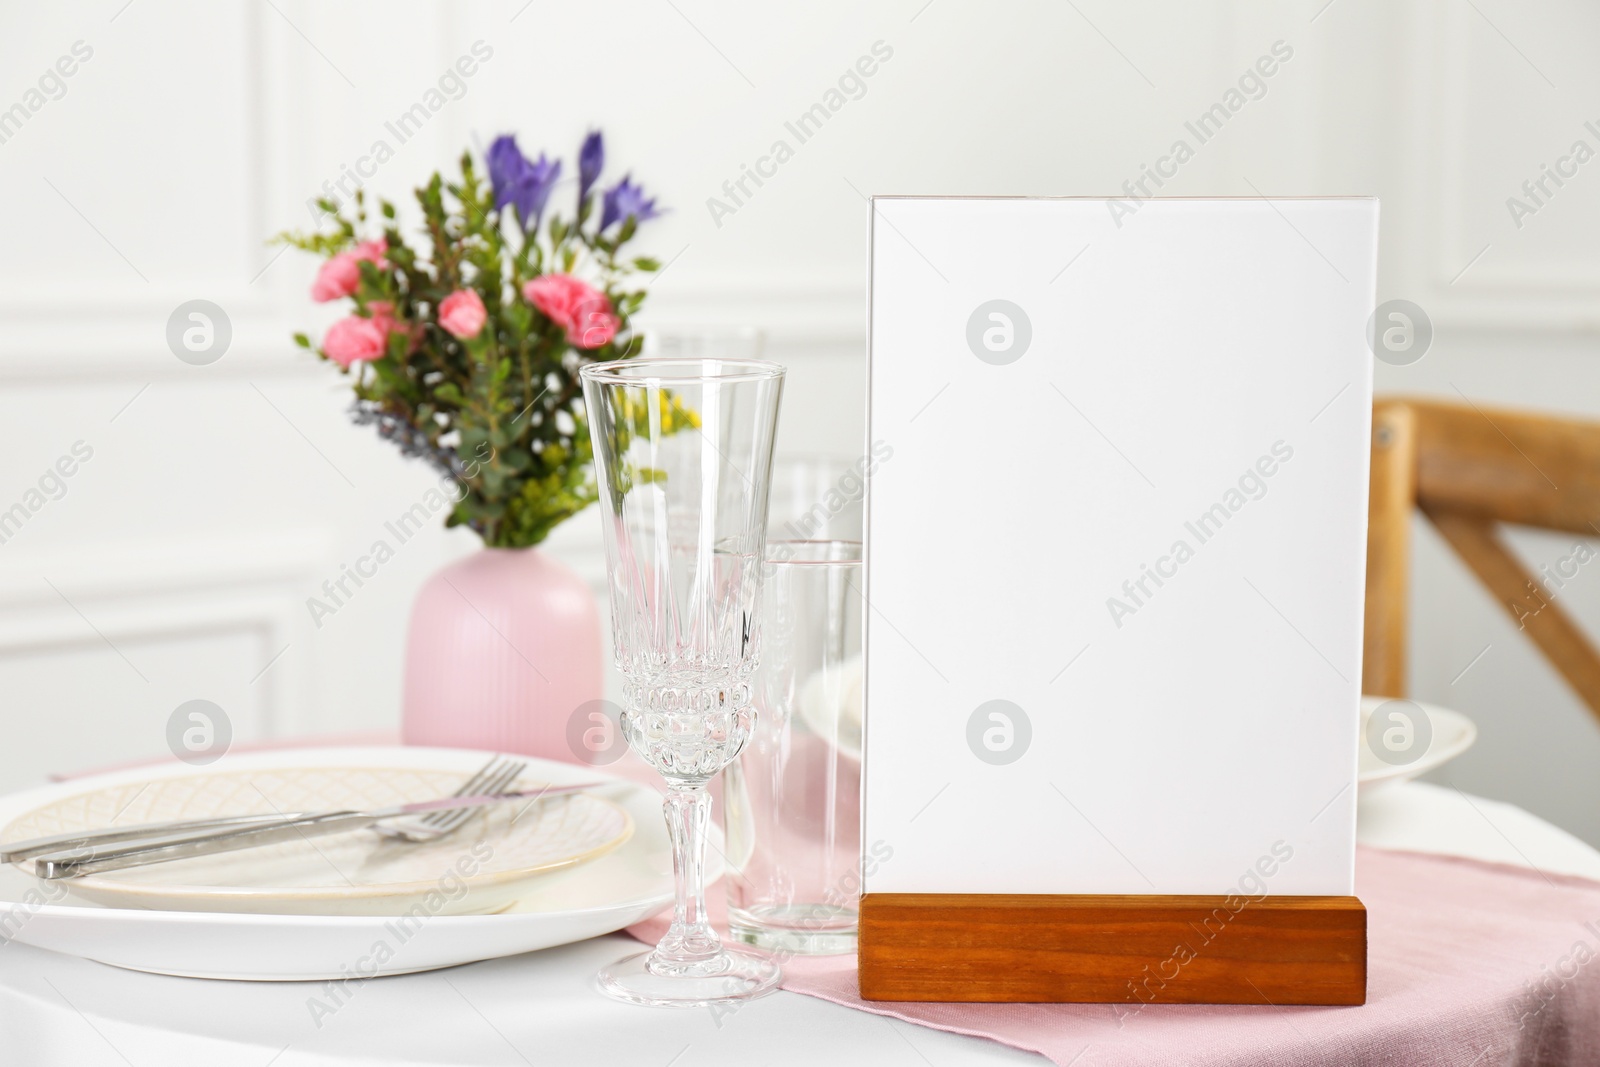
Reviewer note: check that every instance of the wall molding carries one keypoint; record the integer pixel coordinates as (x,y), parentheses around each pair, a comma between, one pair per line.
(1541,297)
(171,593)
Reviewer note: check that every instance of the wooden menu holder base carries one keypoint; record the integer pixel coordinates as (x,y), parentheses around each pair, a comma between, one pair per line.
(1132,950)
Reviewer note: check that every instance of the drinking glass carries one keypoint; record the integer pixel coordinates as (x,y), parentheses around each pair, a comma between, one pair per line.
(816,498)
(688,341)
(683,454)
(793,803)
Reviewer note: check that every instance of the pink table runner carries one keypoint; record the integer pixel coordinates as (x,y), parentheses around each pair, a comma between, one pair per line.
(1469,964)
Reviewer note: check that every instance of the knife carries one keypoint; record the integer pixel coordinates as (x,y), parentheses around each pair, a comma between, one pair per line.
(94,859)
(78,839)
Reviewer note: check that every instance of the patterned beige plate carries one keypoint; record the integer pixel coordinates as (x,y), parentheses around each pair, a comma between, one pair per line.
(480,868)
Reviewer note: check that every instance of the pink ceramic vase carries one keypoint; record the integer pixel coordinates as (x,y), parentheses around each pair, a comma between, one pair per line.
(504,647)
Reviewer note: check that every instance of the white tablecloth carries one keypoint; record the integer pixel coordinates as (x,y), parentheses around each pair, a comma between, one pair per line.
(541,1008)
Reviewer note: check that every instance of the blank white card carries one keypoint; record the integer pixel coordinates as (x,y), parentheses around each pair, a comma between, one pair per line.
(1115,556)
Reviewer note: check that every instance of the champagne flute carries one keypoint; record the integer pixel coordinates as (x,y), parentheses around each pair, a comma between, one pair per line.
(683,456)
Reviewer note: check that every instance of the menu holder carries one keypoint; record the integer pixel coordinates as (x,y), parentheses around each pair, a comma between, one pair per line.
(1115,558)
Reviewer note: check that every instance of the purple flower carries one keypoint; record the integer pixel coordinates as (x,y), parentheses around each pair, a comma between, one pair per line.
(591,158)
(542,178)
(520,183)
(506,165)
(626,200)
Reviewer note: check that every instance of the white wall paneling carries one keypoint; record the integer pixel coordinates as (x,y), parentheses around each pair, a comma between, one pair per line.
(220,497)
(113,641)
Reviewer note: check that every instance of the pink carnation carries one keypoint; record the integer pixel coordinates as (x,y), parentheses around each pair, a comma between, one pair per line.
(373,252)
(580,309)
(341,275)
(338,277)
(462,314)
(383,316)
(353,339)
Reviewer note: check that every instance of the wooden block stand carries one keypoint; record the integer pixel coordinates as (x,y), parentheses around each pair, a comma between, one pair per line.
(1113,949)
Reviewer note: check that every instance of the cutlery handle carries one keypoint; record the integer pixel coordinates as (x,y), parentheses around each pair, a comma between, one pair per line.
(97,861)
(78,839)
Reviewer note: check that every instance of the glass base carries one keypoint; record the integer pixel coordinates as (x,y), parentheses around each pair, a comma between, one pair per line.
(796,929)
(732,975)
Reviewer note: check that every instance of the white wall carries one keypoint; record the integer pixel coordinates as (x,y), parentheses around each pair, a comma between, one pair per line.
(218,498)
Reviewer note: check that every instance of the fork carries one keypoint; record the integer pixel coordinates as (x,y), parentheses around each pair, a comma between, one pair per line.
(492,777)
(68,865)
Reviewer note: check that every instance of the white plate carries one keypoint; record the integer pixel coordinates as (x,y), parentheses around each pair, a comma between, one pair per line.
(620,888)
(480,868)
(1452,734)
(830,703)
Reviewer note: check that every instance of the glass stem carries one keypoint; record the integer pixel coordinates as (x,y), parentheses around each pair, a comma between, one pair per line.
(690,944)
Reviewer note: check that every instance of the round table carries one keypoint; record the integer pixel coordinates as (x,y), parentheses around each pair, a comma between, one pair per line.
(541,1008)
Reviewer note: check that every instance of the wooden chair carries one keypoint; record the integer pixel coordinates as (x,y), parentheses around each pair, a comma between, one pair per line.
(1468,468)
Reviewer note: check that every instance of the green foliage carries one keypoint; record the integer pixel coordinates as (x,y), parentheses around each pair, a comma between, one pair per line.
(631,416)
(502,411)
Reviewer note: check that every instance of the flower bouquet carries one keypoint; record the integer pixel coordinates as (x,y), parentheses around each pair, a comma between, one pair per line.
(465,349)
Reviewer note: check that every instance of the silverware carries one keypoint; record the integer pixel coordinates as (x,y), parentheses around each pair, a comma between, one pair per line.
(77,839)
(305,827)
(492,777)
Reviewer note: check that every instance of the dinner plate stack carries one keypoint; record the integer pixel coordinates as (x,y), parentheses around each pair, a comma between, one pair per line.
(515,877)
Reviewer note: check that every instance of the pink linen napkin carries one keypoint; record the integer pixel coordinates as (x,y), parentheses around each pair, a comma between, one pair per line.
(1469,963)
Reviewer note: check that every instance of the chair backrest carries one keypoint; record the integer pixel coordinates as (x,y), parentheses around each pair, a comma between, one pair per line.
(1468,468)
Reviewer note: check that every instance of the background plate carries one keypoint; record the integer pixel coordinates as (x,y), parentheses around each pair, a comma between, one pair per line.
(1452,733)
